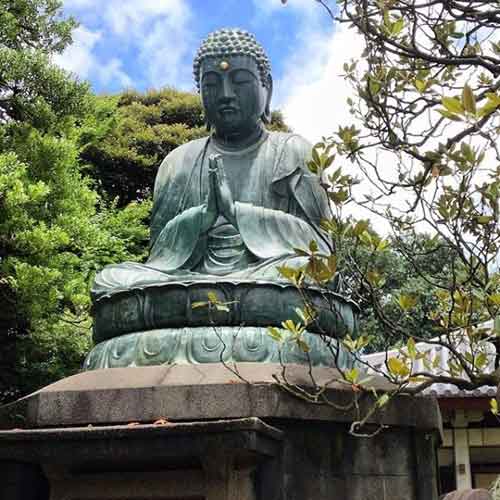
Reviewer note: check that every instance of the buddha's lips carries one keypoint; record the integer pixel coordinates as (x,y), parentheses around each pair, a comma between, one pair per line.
(227,110)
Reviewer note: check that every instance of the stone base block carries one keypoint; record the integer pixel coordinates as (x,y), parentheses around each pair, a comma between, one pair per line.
(222,435)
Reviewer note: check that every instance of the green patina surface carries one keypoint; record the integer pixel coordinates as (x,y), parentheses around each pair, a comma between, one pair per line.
(192,345)
(228,210)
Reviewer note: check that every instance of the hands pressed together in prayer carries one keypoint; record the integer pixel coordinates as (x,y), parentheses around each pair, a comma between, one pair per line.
(220,199)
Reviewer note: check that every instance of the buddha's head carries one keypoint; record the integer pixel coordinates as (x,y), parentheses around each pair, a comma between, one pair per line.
(233,74)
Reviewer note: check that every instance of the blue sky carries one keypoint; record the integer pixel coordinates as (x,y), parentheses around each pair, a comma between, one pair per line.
(130,31)
(151,43)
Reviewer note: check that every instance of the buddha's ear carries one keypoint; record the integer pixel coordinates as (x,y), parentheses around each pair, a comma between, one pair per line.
(208,125)
(266,116)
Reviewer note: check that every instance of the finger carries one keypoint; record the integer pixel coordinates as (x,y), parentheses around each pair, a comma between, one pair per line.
(212,162)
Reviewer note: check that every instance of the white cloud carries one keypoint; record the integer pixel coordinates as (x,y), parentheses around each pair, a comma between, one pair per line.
(112,72)
(78,57)
(316,106)
(155,34)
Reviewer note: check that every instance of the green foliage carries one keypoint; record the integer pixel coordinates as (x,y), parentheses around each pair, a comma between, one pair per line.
(32,89)
(52,238)
(52,242)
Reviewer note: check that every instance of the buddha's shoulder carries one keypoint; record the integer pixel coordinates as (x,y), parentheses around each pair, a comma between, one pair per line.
(291,142)
(191,148)
(290,139)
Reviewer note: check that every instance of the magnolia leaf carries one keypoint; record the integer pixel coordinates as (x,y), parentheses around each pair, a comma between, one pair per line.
(481,360)
(303,345)
(360,227)
(315,157)
(468,100)
(275,333)
(332,263)
(494,299)
(397,367)
(407,302)
(411,347)
(452,104)
(484,219)
(287,272)
(449,115)
(374,278)
(352,375)
(420,85)
(494,406)
(366,238)
(383,400)
(383,244)
(197,305)
(289,325)
(398,26)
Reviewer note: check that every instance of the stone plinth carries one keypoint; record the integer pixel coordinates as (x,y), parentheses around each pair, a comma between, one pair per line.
(468,495)
(230,436)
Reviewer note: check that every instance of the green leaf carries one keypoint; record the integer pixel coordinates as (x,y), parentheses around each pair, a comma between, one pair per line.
(360,227)
(366,238)
(494,299)
(452,104)
(494,406)
(449,115)
(397,367)
(383,400)
(197,305)
(468,100)
(275,333)
(421,85)
(315,157)
(287,272)
(352,375)
(303,346)
(383,244)
(412,349)
(485,219)
(407,302)
(481,360)
(398,26)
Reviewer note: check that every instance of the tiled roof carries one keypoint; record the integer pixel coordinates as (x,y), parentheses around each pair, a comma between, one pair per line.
(378,362)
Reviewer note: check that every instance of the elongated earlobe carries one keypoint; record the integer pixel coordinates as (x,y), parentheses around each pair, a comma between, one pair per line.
(266,116)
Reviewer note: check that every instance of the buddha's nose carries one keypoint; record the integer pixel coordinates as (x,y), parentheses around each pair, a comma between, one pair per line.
(227,91)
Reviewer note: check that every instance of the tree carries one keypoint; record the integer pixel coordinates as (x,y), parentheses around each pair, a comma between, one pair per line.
(401,280)
(425,99)
(52,239)
(145,127)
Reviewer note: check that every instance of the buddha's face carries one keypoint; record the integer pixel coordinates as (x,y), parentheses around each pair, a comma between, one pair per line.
(233,95)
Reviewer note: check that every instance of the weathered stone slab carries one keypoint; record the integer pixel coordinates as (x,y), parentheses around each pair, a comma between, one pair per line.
(202,392)
(209,460)
(476,494)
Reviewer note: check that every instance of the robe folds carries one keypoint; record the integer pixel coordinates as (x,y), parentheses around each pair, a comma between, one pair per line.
(279,204)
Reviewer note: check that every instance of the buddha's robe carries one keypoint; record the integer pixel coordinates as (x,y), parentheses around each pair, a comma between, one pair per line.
(278,203)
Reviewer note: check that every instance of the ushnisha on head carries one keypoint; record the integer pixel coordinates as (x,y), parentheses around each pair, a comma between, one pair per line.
(227,42)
